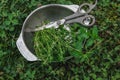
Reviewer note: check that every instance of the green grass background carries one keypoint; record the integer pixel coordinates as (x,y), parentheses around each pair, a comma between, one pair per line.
(103,63)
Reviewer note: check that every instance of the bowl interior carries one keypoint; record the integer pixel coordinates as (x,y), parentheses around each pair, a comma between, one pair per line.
(50,13)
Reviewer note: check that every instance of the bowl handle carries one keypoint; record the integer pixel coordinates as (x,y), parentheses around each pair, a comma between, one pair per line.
(24,50)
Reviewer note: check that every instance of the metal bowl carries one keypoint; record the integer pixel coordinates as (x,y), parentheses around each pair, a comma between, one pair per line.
(50,12)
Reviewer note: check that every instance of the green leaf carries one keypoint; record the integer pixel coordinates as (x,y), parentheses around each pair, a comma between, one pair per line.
(94,33)
(7,23)
(76,54)
(11,28)
(99,78)
(89,42)
(15,21)
(4,13)
(10,17)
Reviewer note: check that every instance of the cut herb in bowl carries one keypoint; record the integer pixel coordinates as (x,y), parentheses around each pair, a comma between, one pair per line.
(51,45)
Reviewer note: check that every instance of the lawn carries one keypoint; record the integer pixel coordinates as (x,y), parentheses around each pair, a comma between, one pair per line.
(99,58)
